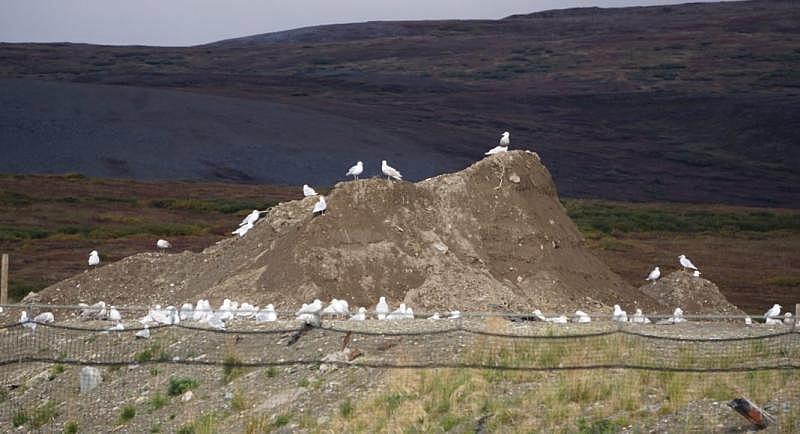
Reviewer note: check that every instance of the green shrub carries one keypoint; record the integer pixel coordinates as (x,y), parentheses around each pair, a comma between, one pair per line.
(20,418)
(71,427)
(43,414)
(157,401)
(179,385)
(127,413)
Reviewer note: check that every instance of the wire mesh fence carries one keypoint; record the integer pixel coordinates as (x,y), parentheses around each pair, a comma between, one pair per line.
(474,371)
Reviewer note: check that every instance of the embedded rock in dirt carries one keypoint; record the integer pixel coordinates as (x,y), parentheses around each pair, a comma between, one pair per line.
(695,295)
(493,236)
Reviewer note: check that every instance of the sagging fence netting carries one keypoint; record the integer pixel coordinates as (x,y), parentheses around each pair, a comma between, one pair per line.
(558,377)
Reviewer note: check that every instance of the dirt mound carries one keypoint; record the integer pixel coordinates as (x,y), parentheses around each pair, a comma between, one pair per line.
(493,236)
(693,294)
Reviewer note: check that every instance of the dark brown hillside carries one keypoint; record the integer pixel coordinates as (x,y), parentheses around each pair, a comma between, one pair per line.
(688,103)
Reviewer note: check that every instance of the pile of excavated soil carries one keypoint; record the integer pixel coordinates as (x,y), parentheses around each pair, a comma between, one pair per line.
(693,294)
(493,236)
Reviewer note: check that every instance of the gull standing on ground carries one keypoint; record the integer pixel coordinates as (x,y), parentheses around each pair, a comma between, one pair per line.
(242,230)
(94,258)
(686,263)
(48,317)
(619,314)
(390,171)
(26,322)
(654,275)
(113,314)
(787,318)
(382,309)
(308,191)
(361,315)
(251,218)
(539,315)
(581,317)
(398,314)
(163,244)
(502,147)
(143,333)
(320,206)
(267,315)
(356,170)
(639,318)
(772,313)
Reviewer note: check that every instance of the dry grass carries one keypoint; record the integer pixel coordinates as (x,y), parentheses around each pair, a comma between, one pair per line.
(562,401)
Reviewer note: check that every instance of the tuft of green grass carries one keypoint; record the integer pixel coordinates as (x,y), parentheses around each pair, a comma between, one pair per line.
(239,402)
(43,414)
(231,368)
(281,420)
(20,418)
(303,382)
(271,372)
(346,409)
(71,427)
(178,385)
(158,401)
(153,352)
(205,425)
(126,413)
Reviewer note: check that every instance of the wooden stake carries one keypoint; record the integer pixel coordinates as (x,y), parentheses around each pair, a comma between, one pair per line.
(796,312)
(4,280)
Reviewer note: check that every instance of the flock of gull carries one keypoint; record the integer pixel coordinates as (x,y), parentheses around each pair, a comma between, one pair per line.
(312,313)
(202,312)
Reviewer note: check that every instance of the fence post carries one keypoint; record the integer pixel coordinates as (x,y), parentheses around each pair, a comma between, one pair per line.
(4,280)
(796,312)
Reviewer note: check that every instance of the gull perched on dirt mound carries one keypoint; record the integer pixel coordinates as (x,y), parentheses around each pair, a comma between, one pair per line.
(770,316)
(356,170)
(676,318)
(26,322)
(163,244)
(45,318)
(639,318)
(581,317)
(247,223)
(787,318)
(267,314)
(686,263)
(202,311)
(308,191)
(94,258)
(382,309)
(309,312)
(619,315)
(113,314)
(320,206)
(361,315)
(186,312)
(143,333)
(398,314)
(654,275)
(390,171)
(502,147)
(337,308)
